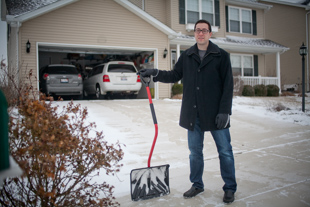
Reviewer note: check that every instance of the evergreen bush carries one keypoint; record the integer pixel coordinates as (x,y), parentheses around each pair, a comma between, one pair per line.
(273,90)
(260,90)
(248,90)
(177,89)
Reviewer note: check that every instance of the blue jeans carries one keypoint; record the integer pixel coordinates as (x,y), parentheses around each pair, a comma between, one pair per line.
(224,148)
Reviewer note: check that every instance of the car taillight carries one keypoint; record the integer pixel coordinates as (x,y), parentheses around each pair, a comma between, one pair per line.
(106,78)
(138,79)
(46,76)
(79,76)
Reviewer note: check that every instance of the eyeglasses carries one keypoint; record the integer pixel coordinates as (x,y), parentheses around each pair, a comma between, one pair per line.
(204,31)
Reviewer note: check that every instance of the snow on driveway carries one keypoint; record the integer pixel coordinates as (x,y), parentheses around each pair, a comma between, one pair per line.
(271,150)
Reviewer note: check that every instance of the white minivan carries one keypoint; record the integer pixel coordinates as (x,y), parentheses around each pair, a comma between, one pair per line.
(113,77)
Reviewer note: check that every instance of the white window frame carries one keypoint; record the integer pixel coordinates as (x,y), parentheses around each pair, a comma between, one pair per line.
(242,61)
(200,12)
(240,19)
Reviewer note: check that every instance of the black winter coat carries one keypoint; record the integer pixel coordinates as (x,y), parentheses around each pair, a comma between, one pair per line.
(207,86)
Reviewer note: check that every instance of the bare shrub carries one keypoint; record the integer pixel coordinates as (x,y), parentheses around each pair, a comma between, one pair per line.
(8,82)
(300,95)
(287,93)
(238,85)
(279,107)
(57,154)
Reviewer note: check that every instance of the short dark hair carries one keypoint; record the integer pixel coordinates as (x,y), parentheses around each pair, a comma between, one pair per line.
(203,21)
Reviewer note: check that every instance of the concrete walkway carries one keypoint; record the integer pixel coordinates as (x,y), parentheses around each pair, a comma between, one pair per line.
(272,158)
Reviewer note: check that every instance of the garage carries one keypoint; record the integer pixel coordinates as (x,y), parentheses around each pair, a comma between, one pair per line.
(85,57)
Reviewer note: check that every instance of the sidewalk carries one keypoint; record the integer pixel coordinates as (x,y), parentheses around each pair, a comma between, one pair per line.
(272,158)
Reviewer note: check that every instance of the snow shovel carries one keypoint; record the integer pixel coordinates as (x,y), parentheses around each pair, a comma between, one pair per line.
(150,182)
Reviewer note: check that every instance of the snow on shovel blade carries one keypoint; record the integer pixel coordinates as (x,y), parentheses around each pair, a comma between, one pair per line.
(149,182)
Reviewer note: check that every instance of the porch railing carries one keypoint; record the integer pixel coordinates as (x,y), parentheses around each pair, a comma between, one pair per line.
(252,81)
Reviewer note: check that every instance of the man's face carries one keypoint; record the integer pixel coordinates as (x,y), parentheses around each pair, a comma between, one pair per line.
(202,38)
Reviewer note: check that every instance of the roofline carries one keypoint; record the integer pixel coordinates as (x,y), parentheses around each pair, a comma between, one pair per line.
(234,47)
(251,48)
(249,4)
(287,3)
(148,18)
(32,14)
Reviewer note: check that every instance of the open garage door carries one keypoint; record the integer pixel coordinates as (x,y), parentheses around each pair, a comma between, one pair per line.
(86,57)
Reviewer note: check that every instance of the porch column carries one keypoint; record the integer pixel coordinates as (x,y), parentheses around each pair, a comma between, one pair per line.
(178,55)
(278,70)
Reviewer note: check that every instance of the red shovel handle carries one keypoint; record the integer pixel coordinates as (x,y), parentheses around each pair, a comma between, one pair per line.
(154,119)
(155,123)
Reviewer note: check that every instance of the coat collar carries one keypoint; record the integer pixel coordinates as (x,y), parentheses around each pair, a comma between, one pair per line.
(212,48)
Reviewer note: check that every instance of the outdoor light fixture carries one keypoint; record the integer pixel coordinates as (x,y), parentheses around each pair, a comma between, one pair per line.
(303,52)
(28,46)
(165,52)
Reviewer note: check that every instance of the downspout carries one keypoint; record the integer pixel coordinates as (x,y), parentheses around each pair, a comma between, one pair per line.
(16,25)
(307,44)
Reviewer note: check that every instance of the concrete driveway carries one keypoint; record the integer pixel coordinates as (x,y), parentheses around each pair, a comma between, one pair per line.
(272,157)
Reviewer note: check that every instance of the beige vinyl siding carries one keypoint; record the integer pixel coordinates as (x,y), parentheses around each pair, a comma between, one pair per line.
(286,25)
(96,22)
(138,3)
(222,28)
(157,9)
(261,67)
(169,8)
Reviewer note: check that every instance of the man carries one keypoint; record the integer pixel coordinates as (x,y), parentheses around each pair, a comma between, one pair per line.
(206,105)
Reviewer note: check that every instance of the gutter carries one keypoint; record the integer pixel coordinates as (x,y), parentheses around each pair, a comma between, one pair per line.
(249,4)
(287,3)
(148,18)
(17,25)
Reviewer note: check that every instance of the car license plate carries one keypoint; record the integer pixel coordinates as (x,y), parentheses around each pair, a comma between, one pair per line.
(64,80)
(123,78)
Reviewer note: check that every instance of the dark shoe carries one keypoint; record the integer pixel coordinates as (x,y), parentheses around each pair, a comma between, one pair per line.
(192,192)
(229,196)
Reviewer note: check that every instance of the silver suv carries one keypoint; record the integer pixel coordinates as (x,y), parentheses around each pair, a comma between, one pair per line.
(61,79)
(113,77)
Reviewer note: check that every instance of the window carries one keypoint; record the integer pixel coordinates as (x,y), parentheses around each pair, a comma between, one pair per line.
(121,68)
(242,65)
(199,9)
(240,20)
(97,70)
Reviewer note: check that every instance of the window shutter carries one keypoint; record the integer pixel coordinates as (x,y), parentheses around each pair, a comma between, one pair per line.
(182,11)
(255,65)
(254,22)
(227,20)
(217,12)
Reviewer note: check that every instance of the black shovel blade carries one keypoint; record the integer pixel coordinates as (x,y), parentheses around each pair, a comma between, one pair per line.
(150,182)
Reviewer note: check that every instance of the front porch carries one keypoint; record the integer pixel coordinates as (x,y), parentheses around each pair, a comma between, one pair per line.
(255,80)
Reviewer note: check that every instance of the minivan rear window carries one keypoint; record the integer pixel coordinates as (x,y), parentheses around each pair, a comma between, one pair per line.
(121,68)
(62,70)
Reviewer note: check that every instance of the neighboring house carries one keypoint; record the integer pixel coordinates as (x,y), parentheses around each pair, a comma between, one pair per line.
(287,23)
(87,32)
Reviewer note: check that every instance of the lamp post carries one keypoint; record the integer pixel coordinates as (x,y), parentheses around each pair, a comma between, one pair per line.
(303,52)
